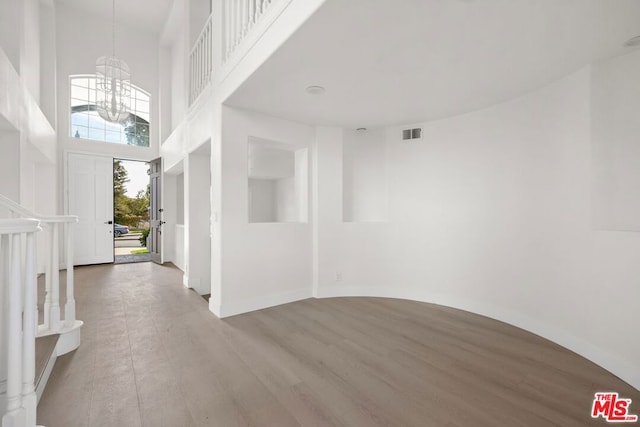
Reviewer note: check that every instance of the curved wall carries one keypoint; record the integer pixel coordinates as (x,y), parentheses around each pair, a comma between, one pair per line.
(491,212)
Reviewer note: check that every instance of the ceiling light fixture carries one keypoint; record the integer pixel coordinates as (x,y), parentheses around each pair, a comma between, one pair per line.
(632,42)
(113,83)
(315,90)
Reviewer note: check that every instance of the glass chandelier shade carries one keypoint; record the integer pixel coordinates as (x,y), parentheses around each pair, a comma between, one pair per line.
(113,89)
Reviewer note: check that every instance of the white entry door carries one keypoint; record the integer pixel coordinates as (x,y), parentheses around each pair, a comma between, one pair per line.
(90,192)
(154,241)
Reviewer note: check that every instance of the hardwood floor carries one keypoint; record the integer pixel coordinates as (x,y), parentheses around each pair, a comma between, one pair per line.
(152,354)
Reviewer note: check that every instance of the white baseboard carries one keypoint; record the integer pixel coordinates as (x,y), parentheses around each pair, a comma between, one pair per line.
(214,307)
(624,370)
(247,305)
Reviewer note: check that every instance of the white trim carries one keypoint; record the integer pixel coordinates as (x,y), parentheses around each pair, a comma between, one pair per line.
(253,304)
(214,308)
(622,369)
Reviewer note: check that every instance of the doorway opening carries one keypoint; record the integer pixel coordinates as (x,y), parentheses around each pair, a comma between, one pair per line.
(131,202)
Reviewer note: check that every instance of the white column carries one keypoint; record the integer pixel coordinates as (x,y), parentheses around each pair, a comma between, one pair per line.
(15,415)
(48,274)
(4,339)
(54,310)
(29,399)
(70,304)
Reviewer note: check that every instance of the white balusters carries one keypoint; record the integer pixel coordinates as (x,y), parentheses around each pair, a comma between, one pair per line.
(18,287)
(239,18)
(200,62)
(53,322)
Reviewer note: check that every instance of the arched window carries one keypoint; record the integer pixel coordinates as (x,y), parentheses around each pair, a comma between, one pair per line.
(87,124)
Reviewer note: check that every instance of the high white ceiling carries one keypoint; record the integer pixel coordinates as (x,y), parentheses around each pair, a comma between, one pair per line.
(147,15)
(386,62)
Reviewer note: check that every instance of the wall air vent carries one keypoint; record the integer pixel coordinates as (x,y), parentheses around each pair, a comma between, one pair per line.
(414,134)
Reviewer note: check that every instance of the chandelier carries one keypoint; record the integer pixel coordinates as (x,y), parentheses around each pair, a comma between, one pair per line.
(113,83)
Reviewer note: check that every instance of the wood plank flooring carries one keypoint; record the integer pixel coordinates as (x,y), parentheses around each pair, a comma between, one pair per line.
(153,355)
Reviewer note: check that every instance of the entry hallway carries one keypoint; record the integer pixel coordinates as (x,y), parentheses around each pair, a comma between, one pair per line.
(152,354)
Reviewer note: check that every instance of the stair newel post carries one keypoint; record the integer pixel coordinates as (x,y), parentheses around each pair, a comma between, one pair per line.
(70,305)
(4,339)
(15,414)
(29,399)
(54,312)
(48,277)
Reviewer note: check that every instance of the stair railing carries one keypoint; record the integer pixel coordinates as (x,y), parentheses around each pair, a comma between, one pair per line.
(53,323)
(18,319)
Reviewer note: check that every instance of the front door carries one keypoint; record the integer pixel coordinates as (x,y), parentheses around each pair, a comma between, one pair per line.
(90,197)
(154,241)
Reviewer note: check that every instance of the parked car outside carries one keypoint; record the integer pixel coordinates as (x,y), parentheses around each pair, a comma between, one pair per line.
(119,230)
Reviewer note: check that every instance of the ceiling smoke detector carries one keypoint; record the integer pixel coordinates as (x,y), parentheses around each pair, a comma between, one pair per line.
(633,42)
(315,90)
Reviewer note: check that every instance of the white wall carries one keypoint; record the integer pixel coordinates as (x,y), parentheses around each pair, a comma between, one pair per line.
(30,55)
(48,53)
(262,264)
(179,204)
(166,89)
(178,83)
(9,167)
(180,251)
(364,175)
(491,213)
(11,25)
(197,198)
(616,126)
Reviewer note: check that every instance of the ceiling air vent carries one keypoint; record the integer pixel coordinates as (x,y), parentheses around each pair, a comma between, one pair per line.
(414,134)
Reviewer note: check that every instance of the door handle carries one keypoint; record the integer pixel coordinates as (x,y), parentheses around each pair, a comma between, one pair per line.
(108,222)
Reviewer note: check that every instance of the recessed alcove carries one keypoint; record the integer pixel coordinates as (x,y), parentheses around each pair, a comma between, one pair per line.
(277,182)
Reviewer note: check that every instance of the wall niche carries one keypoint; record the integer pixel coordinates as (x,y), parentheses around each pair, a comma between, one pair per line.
(278,182)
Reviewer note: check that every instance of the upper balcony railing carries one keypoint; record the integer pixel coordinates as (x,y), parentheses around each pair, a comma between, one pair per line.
(239,17)
(201,62)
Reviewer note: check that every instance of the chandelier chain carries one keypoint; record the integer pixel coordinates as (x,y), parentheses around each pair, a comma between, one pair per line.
(113,28)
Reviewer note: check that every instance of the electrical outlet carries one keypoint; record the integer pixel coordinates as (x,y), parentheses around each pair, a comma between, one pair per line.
(339,276)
